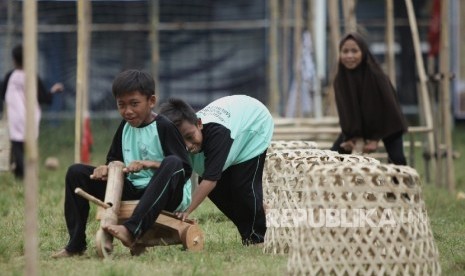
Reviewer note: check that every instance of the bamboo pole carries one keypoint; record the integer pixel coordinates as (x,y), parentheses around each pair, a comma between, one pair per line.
(335,35)
(318,17)
(462,42)
(310,23)
(350,20)
(320,34)
(335,32)
(83,41)
(445,93)
(154,42)
(436,121)
(285,52)
(423,95)
(315,90)
(32,155)
(273,58)
(252,24)
(390,52)
(298,55)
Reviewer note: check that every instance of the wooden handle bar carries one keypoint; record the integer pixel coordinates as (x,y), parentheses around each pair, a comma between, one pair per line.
(91,198)
(100,203)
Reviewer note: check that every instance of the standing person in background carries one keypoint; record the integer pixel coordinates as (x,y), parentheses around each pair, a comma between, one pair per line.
(366,102)
(227,141)
(14,94)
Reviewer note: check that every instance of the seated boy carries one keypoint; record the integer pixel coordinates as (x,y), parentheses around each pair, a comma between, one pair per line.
(156,165)
(227,141)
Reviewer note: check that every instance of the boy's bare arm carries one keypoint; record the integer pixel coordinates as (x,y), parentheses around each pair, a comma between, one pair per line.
(100,173)
(139,165)
(201,192)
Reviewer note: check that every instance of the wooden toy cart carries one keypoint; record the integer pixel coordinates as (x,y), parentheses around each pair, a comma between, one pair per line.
(166,230)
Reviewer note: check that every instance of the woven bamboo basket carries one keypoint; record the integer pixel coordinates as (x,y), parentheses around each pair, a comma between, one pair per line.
(287,175)
(278,161)
(278,145)
(363,219)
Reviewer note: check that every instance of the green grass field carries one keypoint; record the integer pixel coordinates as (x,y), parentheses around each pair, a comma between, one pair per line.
(223,253)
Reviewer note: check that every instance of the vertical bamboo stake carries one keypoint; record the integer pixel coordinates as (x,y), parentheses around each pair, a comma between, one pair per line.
(390,54)
(310,18)
(318,17)
(298,55)
(285,50)
(350,21)
(154,42)
(437,119)
(423,95)
(335,32)
(462,42)
(333,13)
(445,93)
(31,185)
(273,58)
(310,26)
(312,10)
(436,123)
(83,41)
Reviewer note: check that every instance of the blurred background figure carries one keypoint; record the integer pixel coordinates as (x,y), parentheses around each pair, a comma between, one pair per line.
(366,103)
(14,95)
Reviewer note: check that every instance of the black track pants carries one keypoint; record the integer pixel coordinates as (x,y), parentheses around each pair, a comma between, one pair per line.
(239,195)
(164,192)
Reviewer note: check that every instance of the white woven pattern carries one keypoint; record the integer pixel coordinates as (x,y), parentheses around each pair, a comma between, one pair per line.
(278,145)
(277,163)
(284,179)
(395,239)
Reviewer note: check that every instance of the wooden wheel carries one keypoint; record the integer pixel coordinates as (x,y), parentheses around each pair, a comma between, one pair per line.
(192,238)
(104,244)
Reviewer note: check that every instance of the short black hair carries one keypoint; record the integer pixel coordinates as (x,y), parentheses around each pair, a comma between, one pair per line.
(177,111)
(17,54)
(133,80)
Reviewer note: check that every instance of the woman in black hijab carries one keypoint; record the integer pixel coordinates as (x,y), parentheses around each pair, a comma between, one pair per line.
(366,102)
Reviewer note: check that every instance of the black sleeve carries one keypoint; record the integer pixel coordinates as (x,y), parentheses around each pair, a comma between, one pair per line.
(43,96)
(172,142)
(217,143)
(115,153)
(3,89)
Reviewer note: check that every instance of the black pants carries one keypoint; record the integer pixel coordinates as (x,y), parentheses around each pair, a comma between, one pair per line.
(393,144)
(163,192)
(239,195)
(17,157)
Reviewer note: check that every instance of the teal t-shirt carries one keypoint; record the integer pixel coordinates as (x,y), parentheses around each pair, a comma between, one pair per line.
(143,143)
(250,125)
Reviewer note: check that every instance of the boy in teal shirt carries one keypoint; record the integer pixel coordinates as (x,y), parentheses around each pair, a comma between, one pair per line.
(227,141)
(156,165)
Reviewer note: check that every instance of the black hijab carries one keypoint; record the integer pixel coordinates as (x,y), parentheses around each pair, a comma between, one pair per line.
(366,100)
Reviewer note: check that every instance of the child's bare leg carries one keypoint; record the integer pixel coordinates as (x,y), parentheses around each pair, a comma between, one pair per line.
(121,233)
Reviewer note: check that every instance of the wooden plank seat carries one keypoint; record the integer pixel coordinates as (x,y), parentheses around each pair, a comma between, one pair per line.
(324,132)
(166,230)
